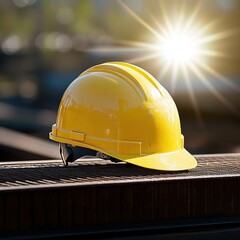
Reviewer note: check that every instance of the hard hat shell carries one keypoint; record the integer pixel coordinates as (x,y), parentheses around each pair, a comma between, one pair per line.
(121,110)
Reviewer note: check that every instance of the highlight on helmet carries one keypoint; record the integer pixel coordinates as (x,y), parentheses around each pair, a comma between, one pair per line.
(118,111)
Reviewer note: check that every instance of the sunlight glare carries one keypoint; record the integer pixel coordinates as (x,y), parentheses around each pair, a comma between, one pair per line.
(179,48)
(183,48)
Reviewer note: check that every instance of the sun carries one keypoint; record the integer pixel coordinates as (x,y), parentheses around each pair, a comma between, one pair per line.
(181,49)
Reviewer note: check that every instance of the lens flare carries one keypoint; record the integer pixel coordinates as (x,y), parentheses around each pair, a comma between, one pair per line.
(179,48)
(182,49)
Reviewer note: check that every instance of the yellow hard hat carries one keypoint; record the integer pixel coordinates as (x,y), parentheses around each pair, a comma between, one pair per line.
(119,111)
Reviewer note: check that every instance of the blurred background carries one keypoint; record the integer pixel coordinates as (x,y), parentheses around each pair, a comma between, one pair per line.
(46,44)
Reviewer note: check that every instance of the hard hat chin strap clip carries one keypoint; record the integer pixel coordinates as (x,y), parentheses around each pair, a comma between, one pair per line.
(106,157)
(103,156)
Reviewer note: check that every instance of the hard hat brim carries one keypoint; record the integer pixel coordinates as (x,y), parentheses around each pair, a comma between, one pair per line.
(178,160)
(173,161)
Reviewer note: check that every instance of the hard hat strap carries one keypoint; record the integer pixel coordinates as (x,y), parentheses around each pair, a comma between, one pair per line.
(70,154)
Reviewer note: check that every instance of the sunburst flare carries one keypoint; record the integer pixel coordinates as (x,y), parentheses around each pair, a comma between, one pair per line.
(183,48)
